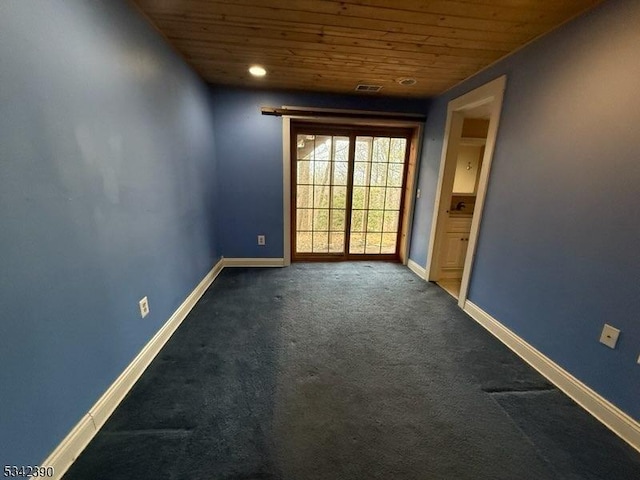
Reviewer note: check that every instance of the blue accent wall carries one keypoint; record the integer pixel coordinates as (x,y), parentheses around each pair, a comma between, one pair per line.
(558,249)
(107,194)
(249,147)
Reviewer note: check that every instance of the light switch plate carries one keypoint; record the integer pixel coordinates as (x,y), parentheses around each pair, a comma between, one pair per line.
(609,336)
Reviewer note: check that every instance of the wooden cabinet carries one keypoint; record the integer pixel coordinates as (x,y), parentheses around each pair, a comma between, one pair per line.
(454,247)
(454,250)
(459,224)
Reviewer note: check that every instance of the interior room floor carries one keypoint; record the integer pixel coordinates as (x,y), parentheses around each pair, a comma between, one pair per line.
(344,371)
(451,286)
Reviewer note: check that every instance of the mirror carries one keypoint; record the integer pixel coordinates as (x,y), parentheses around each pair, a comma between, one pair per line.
(470,153)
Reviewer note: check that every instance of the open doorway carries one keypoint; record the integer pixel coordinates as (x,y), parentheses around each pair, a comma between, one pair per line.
(461,199)
(470,135)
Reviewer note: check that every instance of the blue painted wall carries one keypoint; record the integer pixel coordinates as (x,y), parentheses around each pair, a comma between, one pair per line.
(249,147)
(427,181)
(107,194)
(558,248)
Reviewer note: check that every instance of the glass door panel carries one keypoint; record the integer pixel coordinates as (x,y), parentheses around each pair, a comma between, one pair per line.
(322,168)
(378,178)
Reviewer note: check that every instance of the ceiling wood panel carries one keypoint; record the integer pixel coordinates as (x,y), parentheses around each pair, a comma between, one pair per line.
(377,17)
(327,45)
(287,28)
(328,51)
(526,11)
(190,31)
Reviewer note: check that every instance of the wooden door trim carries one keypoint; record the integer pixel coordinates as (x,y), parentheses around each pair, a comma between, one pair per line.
(490,94)
(349,199)
(286,190)
(405,179)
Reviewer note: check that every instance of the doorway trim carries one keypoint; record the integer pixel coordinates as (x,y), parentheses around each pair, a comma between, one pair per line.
(409,194)
(491,95)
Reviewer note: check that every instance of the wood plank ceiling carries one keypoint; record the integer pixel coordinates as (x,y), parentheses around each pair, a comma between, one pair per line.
(326,45)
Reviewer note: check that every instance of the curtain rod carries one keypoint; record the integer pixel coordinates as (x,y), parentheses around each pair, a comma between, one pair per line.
(337,113)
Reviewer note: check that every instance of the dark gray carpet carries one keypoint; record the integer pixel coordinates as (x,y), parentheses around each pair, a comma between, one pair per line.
(344,371)
(574,444)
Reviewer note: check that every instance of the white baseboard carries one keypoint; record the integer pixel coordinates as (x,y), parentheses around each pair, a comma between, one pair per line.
(611,416)
(253,262)
(76,441)
(70,448)
(417,269)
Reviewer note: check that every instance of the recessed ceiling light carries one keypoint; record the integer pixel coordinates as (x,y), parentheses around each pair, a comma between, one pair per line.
(257,71)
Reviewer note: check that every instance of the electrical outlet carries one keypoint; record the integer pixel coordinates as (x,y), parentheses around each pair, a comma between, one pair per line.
(638,359)
(418,193)
(609,336)
(262,240)
(144,307)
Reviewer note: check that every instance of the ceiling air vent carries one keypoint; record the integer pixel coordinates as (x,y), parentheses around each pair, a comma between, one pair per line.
(363,87)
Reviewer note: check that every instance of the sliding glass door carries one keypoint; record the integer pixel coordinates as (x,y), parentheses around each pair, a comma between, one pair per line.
(348,187)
